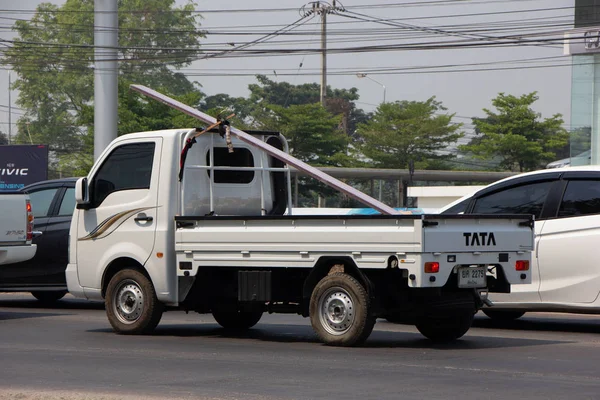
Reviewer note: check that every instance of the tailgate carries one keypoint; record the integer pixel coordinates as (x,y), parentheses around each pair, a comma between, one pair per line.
(477,233)
(13,219)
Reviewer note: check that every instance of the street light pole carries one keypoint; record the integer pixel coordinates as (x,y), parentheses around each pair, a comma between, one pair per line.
(363,75)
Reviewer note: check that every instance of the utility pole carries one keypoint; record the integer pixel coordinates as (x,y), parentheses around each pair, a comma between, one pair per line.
(323,54)
(105,74)
(322,8)
(9,110)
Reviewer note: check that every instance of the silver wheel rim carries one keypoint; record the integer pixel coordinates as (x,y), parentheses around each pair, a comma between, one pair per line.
(128,301)
(336,311)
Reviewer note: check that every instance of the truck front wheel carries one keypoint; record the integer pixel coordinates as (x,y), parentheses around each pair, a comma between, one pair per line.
(131,303)
(339,311)
(237,319)
(445,329)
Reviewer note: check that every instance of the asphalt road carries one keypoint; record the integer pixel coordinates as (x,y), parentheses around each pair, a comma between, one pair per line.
(70,352)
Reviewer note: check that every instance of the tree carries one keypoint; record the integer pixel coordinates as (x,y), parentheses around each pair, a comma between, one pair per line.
(3,138)
(314,137)
(284,94)
(312,134)
(406,131)
(517,135)
(224,104)
(53,56)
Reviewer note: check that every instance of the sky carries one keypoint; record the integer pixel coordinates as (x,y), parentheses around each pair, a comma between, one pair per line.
(464,89)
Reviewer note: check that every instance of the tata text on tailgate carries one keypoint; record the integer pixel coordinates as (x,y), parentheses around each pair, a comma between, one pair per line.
(196,220)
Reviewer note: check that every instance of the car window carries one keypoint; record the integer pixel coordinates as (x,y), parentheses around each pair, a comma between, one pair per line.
(581,197)
(240,158)
(67,206)
(458,207)
(127,167)
(524,199)
(41,201)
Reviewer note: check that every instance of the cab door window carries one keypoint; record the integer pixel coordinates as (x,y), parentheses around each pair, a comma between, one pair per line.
(128,167)
(67,206)
(582,197)
(524,199)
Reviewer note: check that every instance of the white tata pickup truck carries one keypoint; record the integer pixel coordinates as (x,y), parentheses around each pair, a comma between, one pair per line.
(16,228)
(193,220)
(167,221)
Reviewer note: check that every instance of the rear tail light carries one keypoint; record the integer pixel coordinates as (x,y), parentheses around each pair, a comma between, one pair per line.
(432,267)
(522,265)
(29,220)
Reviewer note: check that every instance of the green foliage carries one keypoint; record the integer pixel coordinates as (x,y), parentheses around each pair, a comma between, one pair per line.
(517,135)
(224,104)
(138,113)
(312,133)
(3,138)
(284,94)
(53,56)
(406,131)
(314,137)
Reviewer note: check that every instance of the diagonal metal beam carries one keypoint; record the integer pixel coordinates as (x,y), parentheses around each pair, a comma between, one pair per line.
(286,158)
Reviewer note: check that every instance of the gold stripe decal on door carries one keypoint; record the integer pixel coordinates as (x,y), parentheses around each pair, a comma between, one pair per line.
(104,228)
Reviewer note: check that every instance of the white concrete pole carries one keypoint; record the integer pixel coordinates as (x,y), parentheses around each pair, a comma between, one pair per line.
(105,74)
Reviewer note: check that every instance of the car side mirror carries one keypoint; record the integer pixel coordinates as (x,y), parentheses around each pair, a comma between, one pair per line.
(82,194)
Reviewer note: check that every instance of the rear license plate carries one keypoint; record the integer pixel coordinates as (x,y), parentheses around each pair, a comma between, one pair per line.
(471,277)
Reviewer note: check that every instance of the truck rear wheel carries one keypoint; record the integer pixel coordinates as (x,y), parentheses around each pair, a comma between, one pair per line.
(339,311)
(445,329)
(237,319)
(131,303)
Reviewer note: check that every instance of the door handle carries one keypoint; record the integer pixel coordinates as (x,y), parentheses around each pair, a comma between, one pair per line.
(143,218)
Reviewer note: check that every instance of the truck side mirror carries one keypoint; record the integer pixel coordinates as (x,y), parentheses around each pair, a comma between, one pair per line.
(82,195)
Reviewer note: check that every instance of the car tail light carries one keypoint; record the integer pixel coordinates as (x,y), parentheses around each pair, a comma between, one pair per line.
(29,220)
(522,265)
(432,267)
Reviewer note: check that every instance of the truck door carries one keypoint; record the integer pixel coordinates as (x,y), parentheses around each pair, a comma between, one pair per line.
(121,220)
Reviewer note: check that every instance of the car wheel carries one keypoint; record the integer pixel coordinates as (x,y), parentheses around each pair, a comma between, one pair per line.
(49,297)
(131,303)
(445,329)
(237,319)
(339,311)
(398,318)
(503,315)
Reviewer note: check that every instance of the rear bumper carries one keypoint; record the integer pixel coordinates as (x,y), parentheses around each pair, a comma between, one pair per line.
(15,254)
(73,281)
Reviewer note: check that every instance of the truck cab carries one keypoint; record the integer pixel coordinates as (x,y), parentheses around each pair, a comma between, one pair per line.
(135,191)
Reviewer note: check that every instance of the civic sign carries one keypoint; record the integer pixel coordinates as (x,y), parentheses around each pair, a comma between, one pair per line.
(21,165)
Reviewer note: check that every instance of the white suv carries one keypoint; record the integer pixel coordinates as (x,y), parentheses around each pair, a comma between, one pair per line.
(566,267)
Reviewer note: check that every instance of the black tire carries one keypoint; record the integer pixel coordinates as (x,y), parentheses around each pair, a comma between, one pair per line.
(339,311)
(398,319)
(445,329)
(237,320)
(131,304)
(49,297)
(503,315)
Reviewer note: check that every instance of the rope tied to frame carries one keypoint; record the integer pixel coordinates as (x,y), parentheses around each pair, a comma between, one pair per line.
(223,126)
